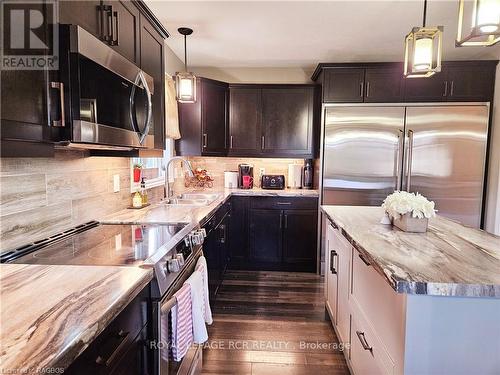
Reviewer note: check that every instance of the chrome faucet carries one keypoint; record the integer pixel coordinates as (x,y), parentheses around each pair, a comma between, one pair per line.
(168,191)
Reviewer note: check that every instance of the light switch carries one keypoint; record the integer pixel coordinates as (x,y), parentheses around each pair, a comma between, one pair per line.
(116,183)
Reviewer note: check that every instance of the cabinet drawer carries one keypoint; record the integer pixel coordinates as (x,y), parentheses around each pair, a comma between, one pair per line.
(383,307)
(367,355)
(285,203)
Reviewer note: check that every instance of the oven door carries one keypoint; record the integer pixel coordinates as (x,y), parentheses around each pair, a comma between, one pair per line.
(111,98)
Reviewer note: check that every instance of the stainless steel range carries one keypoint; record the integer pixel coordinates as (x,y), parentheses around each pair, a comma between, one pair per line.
(172,250)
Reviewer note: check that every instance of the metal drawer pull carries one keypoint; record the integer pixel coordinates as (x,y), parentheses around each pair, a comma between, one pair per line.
(205,140)
(284,203)
(231,142)
(445,88)
(368,89)
(452,87)
(59,86)
(333,254)
(361,86)
(263,142)
(364,260)
(362,340)
(108,362)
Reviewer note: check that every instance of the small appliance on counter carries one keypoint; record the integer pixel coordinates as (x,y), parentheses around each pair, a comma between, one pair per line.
(273,181)
(308,174)
(294,176)
(245,176)
(230,180)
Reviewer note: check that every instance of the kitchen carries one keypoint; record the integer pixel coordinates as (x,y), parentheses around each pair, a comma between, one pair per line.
(190,191)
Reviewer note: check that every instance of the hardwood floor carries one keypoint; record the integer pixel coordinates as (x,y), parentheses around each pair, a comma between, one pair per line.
(271,323)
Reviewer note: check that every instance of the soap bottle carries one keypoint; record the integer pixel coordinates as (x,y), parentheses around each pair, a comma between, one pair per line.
(137,200)
(144,193)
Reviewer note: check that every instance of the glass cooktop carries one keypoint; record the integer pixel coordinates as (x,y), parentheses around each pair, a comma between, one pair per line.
(102,245)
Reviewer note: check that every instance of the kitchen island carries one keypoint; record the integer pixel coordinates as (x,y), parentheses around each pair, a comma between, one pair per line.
(50,314)
(413,303)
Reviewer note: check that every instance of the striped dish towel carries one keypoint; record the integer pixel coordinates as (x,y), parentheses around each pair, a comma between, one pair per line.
(202,267)
(182,323)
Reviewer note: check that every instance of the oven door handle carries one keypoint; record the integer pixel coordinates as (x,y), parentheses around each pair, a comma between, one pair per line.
(140,79)
(166,306)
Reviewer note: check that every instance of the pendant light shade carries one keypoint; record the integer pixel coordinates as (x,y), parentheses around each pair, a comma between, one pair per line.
(423,49)
(478,23)
(185,82)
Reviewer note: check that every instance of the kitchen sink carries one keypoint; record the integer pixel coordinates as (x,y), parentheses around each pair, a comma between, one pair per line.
(208,196)
(194,199)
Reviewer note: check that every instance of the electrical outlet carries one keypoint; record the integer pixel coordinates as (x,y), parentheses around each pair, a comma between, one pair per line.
(262,171)
(116,183)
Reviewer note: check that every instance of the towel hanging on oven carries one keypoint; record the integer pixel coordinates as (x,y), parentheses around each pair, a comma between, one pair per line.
(200,334)
(201,266)
(182,323)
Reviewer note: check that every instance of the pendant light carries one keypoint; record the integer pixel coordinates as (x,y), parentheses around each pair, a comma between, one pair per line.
(185,82)
(423,50)
(484,26)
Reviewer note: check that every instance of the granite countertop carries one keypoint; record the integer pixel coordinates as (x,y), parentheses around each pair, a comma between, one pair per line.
(50,314)
(449,260)
(161,213)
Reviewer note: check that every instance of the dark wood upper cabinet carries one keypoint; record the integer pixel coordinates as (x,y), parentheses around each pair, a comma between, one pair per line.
(245,118)
(430,89)
(383,85)
(214,96)
(471,83)
(152,58)
(343,85)
(125,21)
(299,238)
(86,13)
(203,124)
(287,121)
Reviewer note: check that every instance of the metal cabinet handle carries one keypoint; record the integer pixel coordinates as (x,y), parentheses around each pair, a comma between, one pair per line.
(367,89)
(398,156)
(333,254)
(59,86)
(281,220)
(110,37)
(263,142)
(410,156)
(286,221)
(108,362)
(116,41)
(362,340)
(445,88)
(205,140)
(361,86)
(283,203)
(452,87)
(231,141)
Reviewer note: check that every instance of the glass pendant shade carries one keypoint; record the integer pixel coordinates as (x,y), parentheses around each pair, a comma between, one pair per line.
(423,52)
(186,87)
(478,23)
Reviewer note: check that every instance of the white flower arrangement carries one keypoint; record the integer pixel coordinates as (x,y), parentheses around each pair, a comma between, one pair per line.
(402,202)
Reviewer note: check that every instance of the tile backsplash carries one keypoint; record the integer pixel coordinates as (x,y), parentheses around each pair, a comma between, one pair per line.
(40,197)
(216,166)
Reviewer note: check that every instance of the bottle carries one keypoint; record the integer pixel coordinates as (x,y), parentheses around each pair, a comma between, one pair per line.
(308,174)
(137,200)
(144,193)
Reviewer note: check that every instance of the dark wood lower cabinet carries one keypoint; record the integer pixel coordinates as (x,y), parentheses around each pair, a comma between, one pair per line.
(299,239)
(265,236)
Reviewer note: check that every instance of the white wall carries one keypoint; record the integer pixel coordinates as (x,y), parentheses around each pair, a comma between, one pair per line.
(493,192)
(172,62)
(256,75)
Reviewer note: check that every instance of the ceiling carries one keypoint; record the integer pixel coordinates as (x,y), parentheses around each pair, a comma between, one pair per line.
(303,33)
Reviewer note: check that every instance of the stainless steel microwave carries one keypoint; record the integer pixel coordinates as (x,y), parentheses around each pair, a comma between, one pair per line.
(110,98)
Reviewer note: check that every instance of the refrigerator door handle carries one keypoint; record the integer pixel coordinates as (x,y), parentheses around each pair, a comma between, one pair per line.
(410,161)
(398,159)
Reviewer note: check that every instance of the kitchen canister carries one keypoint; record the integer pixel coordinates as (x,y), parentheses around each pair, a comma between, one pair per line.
(230,180)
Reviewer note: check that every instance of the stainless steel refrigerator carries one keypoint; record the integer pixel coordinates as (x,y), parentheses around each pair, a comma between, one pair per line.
(436,150)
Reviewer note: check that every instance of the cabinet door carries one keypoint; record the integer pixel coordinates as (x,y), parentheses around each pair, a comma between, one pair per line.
(287,121)
(238,231)
(470,83)
(265,235)
(383,85)
(85,13)
(431,89)
(244,121)
(343,85)
(331,275)
(299,239)
(211,252)
(124,23)
(214,118)
(152,62)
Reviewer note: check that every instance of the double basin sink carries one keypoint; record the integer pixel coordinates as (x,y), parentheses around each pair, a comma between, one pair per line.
(194,199)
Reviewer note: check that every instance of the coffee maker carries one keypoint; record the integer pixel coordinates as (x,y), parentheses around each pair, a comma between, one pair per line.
(245,176)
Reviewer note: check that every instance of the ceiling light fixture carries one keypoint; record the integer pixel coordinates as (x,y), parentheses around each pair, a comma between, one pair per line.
(185,82)
(484,28)
(423,50)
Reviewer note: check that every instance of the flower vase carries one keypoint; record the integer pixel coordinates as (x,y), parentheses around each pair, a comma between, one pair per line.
(408,223)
